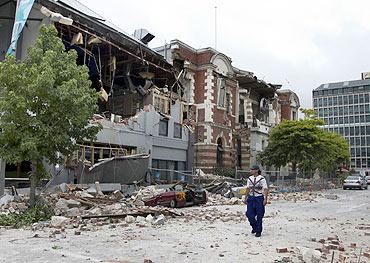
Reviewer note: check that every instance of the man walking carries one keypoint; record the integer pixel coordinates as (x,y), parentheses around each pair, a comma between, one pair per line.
(256,199)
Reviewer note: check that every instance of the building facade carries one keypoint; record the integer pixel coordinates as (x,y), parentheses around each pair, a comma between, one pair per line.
(139,113)
(345,108)
(211,90)
(231,110)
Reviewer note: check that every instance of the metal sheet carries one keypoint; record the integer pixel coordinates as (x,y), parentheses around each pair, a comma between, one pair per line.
(123,170)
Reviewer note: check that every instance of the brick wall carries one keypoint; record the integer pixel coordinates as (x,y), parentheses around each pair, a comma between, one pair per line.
(212,122)
(286,112)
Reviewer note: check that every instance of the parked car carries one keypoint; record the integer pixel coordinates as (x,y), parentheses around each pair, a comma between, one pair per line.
(186,197)
(367,179)
(355,181)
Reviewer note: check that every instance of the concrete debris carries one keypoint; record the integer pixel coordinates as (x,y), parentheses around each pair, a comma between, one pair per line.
(331,197)
(159,220)
(149,218)
(59,221)
(311,256)
(130,219)
(98,188)
(6,199)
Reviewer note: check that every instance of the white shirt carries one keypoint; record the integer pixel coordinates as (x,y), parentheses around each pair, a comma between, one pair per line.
(256,185)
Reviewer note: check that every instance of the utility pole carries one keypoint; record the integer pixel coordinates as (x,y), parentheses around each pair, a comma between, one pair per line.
(2,177)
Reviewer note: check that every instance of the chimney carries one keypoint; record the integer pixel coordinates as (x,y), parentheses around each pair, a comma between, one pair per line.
(143,35)
(365,75)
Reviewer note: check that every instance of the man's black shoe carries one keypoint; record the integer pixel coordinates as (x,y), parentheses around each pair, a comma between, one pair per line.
(253,231)
(258,234)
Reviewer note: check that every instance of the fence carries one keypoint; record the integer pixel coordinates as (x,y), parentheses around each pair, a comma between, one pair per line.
(171,176)
(281,181)
(296,181)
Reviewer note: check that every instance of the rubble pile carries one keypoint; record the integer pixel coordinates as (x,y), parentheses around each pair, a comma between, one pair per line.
(217,199)
(295,196)
(342,252)
(12,204)
(79,202)
(85,209)
(331,249)
(214,214)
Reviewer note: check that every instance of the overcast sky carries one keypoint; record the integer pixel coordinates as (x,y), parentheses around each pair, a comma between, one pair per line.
(300,44)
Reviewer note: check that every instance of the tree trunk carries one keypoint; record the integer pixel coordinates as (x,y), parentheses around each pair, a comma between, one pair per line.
(294,167)
(2,176)
(33,185)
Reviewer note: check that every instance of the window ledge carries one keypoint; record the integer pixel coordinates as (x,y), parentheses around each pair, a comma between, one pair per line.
(220,107)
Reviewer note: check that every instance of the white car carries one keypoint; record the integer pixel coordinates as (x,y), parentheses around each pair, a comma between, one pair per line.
(355,181)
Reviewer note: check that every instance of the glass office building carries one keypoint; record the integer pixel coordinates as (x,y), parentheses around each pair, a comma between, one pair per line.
(345,108)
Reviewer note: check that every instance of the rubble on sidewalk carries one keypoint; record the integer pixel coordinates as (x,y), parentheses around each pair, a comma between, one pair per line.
(91,206)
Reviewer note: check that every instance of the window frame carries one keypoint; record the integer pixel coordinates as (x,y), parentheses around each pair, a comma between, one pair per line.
(159,128)
(177,126)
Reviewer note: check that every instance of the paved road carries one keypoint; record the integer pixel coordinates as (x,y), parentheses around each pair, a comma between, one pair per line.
(287,224)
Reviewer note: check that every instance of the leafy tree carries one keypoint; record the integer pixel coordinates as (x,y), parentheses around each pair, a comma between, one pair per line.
(46,103)
(303,143)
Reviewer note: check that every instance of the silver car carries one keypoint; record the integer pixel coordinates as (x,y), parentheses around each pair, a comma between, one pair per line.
(367,177)
(355,181)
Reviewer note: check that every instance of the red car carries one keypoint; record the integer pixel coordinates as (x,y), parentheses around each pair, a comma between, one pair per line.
(187,197)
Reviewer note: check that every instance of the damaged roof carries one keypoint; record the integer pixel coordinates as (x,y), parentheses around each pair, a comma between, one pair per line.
(247,79)
(92,20)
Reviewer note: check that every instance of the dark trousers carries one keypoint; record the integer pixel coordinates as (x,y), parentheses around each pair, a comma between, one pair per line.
(255,212)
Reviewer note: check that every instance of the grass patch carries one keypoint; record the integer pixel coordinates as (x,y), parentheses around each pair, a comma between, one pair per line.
(30,216)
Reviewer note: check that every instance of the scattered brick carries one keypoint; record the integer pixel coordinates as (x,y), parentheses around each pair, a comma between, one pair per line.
(353,245)
(335,247)
(366,254)
(341,248)
(342,258)
(335,242)
(363,227)
(282,250)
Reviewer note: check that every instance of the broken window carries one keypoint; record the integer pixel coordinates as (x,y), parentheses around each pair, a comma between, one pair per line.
(162,104)
(177,131)
(92,153)
(228,101)
(163,127)
(221,92)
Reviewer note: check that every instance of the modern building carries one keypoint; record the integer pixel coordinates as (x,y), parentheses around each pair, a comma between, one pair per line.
(345,108)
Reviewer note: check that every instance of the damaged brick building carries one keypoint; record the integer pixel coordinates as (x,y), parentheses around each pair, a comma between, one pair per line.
(232,109)
(183,107)
(140,108)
